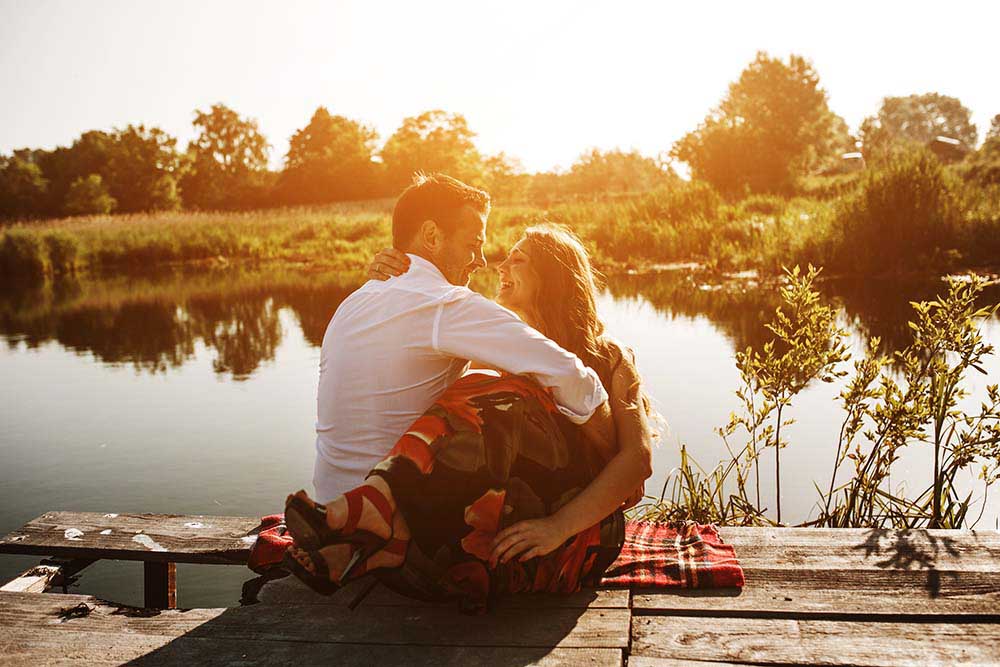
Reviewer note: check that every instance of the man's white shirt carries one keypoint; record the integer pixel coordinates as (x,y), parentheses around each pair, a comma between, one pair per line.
(394,346)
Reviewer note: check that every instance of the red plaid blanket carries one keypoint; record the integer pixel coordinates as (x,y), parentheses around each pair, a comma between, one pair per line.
(680,555)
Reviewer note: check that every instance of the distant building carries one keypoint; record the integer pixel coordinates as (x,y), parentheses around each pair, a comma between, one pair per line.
(851,162)
(948,149)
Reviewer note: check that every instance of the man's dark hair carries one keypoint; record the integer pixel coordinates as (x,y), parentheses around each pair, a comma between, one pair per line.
(433,197)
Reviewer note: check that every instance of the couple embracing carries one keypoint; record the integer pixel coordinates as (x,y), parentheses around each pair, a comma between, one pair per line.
(467,447)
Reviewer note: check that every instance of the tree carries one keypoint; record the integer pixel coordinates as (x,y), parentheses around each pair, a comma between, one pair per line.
(983,166)
(137,165)
(228,161)
(88,196)
(504,178)
(828,154)
(89,154)
(23,187)
(547,187)
(142,169)
(330,159)
(916,119)
(773,125)
(617,171)
(434,141)
(994,130)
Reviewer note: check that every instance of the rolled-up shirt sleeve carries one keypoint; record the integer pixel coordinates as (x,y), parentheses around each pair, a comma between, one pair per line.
(469,326)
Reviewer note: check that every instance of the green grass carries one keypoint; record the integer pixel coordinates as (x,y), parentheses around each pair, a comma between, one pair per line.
(337,237)
(908,215)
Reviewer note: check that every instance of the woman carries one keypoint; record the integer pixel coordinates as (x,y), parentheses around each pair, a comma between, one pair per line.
(492,490)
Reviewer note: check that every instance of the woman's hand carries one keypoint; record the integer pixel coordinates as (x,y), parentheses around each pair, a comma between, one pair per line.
(527,539)
(387,264)
(633,499)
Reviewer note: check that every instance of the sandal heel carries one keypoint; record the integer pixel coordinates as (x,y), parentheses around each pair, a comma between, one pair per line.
(306,524)
(368,544)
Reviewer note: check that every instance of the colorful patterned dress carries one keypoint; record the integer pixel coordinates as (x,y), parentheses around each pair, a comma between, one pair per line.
(490,452)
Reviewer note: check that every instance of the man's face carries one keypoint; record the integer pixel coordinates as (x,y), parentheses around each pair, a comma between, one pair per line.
(461,251)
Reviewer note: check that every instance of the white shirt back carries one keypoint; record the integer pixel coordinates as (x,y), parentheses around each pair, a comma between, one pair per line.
(394,346)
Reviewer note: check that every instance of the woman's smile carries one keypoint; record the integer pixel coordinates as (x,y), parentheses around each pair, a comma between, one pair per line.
(518,282)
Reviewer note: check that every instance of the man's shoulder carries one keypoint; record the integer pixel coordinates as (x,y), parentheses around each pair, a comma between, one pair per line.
(397,296)
(366,291)
(415,291)
(459,296)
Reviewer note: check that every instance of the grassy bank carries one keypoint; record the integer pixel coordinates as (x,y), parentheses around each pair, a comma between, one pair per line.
(337,237)
(910,214)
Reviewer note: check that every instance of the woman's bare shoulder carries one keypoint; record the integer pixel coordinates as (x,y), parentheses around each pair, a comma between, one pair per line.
(618,352)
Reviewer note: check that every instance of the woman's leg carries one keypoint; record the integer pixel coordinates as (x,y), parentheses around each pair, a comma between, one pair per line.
(490,452)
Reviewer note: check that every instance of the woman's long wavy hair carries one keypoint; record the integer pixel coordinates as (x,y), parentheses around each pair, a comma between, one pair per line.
(565,305)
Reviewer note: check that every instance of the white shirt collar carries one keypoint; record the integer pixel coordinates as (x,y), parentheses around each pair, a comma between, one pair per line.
(426,267)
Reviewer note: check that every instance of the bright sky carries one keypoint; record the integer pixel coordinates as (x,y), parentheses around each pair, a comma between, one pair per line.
(540,80)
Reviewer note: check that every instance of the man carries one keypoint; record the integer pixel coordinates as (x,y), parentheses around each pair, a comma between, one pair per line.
(393,347)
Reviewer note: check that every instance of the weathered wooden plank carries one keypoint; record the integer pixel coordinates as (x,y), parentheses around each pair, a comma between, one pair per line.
(853,548)
(218,539)
(34,580)
(44,576)
(830,593)
(848,572)
(526,628)
(146,537)
(749,534)
(31,648)
(643,661)
(790,641)
(584,599)
(291,591)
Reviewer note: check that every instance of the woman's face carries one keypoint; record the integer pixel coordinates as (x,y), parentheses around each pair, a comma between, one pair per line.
(519,283)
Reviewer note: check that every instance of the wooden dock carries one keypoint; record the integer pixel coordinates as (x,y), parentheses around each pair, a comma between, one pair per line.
(812,596)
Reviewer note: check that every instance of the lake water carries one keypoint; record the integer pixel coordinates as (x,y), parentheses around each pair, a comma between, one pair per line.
(194,392)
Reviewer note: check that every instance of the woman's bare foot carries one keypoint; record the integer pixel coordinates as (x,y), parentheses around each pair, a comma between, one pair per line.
(395,552)
(337,556)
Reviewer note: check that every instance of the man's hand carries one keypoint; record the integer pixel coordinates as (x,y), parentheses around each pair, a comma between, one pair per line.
(387,264)
(527,539)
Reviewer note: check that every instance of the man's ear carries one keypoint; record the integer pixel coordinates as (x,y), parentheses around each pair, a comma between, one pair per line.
(429,235)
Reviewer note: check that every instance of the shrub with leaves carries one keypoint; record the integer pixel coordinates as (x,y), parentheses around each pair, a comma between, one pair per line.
(904,215)
(22,255)
(64,251)
(910,399)
(808,345)
(922,406)
(88,196)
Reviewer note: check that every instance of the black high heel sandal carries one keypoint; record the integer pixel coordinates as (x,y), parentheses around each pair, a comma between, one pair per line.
(366,545)
(306,520)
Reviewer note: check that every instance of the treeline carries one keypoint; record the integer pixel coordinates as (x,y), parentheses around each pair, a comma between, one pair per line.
(331,159)
(772,132)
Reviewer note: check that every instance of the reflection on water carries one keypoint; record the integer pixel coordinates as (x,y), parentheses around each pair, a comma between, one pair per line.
(739,308)
(194,391)
(155,323)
